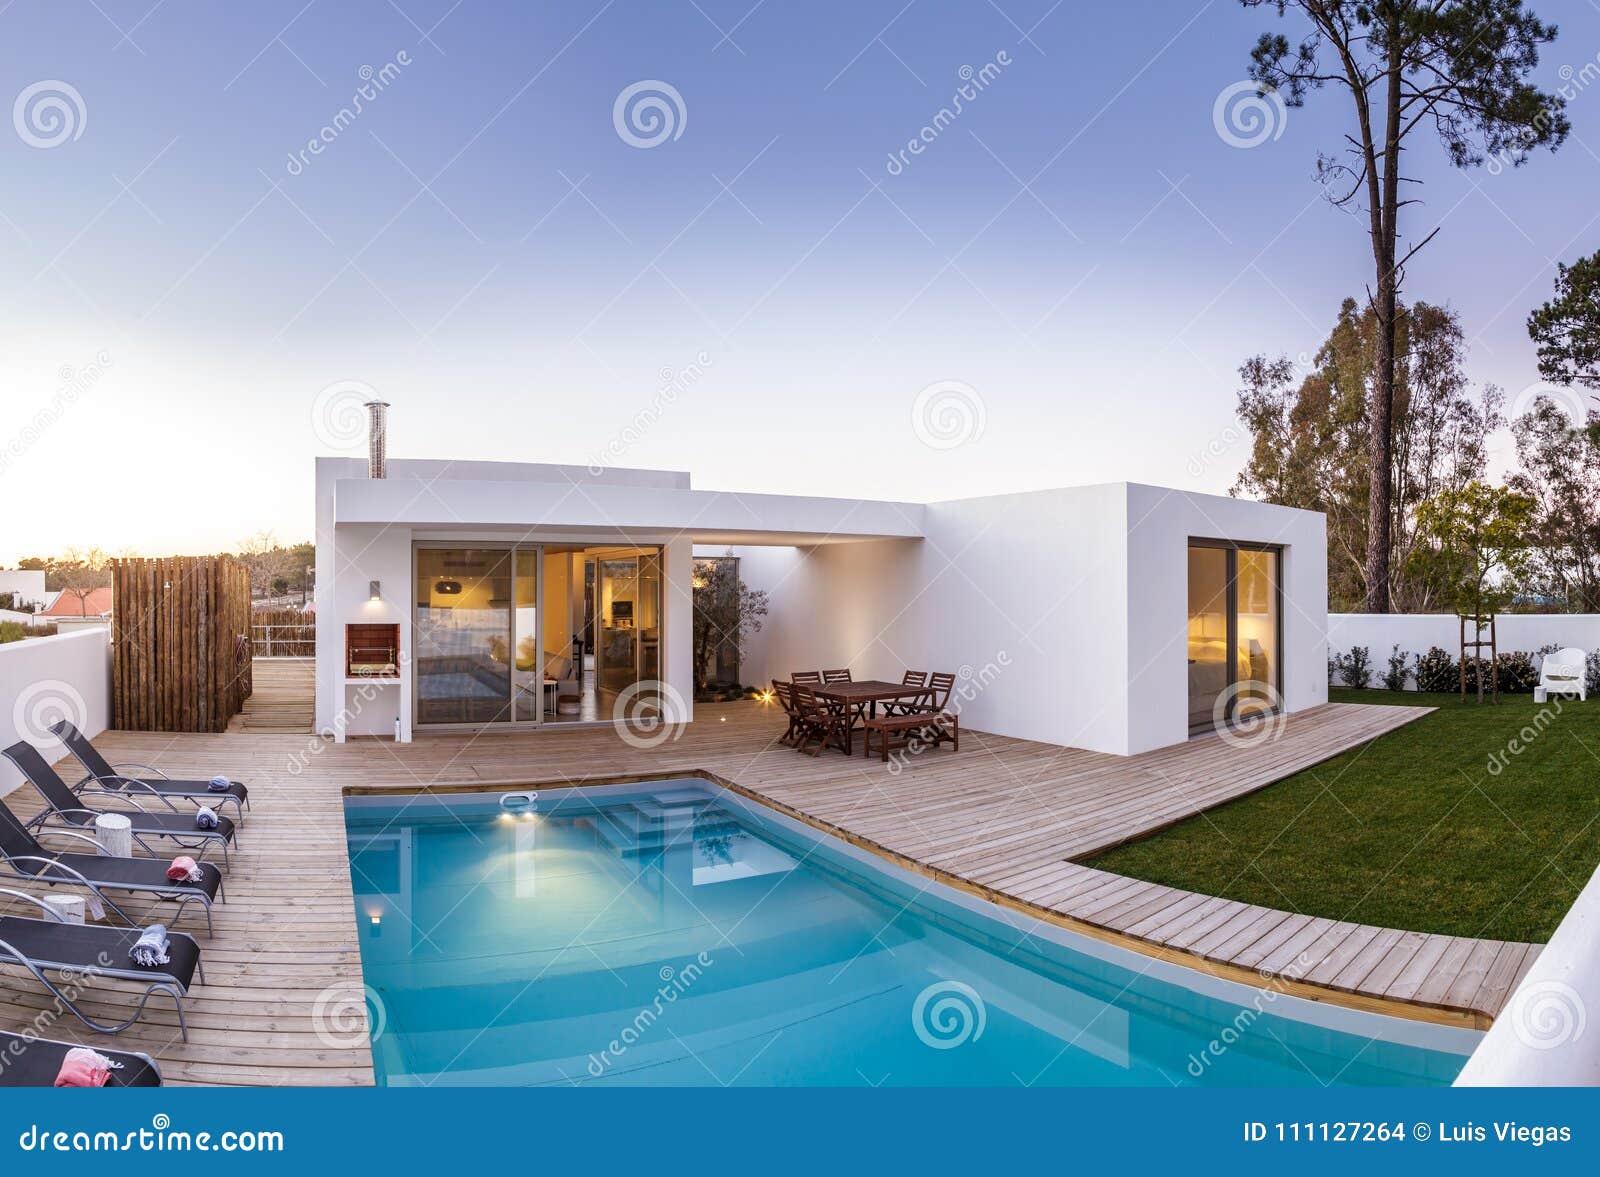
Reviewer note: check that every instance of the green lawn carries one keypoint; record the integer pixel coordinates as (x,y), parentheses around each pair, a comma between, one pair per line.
(1411,831)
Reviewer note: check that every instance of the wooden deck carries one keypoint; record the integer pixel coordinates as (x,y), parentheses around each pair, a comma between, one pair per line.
(283,698)
(1002,818)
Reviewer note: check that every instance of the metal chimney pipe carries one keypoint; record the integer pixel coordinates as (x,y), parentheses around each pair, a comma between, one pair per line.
(377,439)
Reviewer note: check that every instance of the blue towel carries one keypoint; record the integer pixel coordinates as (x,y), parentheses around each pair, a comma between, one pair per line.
(206,819)
(219,784)
(151,948)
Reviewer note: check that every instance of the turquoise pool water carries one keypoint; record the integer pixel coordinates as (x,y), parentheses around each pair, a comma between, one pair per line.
(673,934)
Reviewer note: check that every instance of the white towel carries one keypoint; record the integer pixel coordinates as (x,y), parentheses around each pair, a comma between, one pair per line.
(151,947)
(219,784)
(206,819)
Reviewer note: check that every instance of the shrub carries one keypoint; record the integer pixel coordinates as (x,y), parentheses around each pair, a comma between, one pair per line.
(1591,672)
(1517,672)
(1395,677)
(1355,668)
(1436,671)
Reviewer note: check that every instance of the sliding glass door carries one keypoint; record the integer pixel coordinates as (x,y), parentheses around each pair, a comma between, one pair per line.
(532,633)
(1235,632)
(462,637)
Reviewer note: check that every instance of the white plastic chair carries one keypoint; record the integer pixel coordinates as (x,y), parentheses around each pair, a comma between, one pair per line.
(1561,673)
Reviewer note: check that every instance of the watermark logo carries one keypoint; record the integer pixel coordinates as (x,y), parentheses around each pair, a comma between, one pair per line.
(1569,402)
(675,982)
(1277,984)
(1249,713)
(372,82)
(672,384)
(948,1014)
(347,1015)
(49,113)
(648,113)
(649,713)
(972,83)
(74,383)
(948,414)
(1547,1014)
(339,414)
(1245,116)
(42,703)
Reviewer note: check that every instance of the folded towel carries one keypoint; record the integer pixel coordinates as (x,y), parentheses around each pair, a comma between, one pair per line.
(83,1067)
(184,870)
(151,948)
(219,784)
(206,819)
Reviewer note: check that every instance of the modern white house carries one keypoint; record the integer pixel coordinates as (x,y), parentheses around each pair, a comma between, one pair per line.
(26,586)
(490,595)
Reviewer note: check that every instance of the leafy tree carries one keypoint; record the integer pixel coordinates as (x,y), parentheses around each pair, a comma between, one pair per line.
(1459,66)
(1567,328)
(1560,473)
(726,611)
(1475,542)
(1309,434)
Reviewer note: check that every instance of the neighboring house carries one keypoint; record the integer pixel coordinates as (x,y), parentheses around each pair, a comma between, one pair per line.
(70,605)
(1118,618)
(25,586)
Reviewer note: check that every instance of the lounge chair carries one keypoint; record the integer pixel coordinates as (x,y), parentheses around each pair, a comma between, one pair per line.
(35,1062)
(100,872)
(68,808)
(78,953)
(109,778)
(1562,673)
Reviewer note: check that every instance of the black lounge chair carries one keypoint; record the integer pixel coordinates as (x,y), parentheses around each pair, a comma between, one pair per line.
(35,1062)
(82,952)
(67,807)
(108,778)
(27,859)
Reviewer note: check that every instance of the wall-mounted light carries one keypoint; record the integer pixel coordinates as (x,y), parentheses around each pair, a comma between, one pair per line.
(374,591)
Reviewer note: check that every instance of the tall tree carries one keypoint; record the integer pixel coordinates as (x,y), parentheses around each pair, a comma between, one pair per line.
(1567,328)
(1309,432)
(1459,66)
(726,612)
(1560,472)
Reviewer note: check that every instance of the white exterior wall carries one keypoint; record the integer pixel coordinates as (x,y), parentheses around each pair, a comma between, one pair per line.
(25,584)
(42,679)
(1161,523)
(1064,611)
(1417,632)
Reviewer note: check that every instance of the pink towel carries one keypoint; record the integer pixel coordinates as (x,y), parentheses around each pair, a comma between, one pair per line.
(184,870)
(83,1068)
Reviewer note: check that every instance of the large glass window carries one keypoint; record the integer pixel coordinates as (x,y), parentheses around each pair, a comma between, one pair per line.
(463,630)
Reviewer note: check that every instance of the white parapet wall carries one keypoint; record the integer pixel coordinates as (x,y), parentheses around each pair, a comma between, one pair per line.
(1543,1037)
(1416,633)
(44,679)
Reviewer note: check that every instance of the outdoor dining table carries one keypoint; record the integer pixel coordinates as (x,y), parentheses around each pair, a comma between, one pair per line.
(867,693)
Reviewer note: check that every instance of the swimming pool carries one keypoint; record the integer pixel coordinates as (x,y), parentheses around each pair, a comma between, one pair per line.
(674,933)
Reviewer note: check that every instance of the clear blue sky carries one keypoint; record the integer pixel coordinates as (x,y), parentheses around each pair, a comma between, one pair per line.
(480,244)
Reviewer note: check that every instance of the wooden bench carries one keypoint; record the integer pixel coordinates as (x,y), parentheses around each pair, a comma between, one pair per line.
(936,726)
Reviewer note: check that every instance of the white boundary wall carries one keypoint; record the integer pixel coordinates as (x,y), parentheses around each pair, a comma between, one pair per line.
(1416,632)
(43,679)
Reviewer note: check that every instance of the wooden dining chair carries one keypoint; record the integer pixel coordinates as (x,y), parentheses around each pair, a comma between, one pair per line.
(911,678)
(942,723)
(785,694)
(809,677)
(817,721)
(840,675)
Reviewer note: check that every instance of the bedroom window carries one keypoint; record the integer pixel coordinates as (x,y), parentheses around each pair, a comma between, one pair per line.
(1235,631)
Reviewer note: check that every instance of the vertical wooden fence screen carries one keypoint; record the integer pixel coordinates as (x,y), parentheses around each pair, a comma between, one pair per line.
(181,643)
